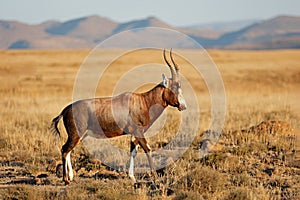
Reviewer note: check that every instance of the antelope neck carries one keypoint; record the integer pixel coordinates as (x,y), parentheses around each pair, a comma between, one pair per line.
(155,97)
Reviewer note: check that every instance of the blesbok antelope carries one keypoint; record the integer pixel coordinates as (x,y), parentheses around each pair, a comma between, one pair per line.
(127,113)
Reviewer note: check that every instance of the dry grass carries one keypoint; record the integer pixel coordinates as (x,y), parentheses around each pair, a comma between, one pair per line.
(246,163)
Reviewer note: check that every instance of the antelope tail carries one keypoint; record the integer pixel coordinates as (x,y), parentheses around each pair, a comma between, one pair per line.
(53,126)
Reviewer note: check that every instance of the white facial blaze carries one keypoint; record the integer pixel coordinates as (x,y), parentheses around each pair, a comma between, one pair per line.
(181,99)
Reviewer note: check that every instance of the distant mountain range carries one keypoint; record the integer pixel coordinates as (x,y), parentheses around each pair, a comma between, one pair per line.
(276,33)
(225,26)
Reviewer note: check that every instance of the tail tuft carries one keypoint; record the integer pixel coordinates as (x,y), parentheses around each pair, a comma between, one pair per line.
(54,123)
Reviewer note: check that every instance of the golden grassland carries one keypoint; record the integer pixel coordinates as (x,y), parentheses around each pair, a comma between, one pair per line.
(255,164)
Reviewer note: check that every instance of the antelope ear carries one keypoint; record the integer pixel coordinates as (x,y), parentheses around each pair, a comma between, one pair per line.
(165,81)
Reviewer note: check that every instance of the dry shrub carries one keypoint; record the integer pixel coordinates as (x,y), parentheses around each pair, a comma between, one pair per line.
(188,195)
(28,192)
(203,179)
(246,193)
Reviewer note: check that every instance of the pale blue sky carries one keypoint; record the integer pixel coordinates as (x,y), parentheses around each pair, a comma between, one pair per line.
(174,12)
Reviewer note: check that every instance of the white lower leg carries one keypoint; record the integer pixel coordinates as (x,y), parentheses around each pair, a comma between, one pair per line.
(131,164)
(65,167)
(69,166)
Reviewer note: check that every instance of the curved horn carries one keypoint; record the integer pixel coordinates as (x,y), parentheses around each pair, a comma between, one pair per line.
(175,65)
(173,72)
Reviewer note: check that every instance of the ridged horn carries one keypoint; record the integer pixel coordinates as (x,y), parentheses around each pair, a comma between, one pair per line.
(172,69)
(175,65)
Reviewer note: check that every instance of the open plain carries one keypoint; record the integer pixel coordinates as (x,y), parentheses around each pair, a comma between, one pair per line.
(249,161)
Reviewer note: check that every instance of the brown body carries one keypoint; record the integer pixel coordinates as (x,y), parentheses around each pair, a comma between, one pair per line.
(127,113)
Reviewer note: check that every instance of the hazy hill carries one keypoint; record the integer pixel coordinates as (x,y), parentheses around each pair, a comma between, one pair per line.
(12,32)
(279,32)
(224,26)
(91,29)
(16,35)
(86,32)
(136,24)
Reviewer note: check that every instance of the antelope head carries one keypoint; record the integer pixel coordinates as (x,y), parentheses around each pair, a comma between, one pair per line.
(173,92)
